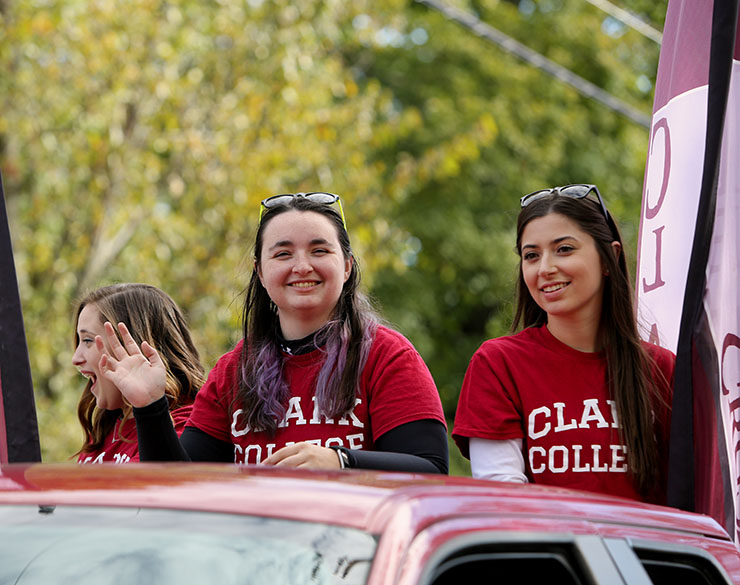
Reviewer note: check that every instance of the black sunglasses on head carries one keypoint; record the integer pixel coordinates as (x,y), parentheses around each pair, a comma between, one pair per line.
(575,191)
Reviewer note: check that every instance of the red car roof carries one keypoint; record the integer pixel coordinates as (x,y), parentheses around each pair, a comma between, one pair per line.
(360,499)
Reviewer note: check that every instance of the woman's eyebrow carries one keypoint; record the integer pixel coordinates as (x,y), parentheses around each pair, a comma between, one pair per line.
(561,238)
(281,244)
(555,241)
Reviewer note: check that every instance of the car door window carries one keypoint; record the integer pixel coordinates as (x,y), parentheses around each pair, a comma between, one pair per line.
(520,567)
(667,568)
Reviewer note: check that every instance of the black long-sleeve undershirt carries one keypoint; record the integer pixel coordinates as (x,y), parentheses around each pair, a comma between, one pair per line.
(418,446)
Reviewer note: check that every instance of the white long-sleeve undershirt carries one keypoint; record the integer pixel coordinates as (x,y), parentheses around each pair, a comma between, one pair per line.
(497,460)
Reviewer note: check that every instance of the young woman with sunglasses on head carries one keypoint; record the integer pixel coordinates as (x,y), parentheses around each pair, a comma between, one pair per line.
(149,315)
(316,381)
(575,399)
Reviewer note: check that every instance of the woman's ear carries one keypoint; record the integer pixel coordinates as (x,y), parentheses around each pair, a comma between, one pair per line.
(258,270)
(617,248)
(348,263)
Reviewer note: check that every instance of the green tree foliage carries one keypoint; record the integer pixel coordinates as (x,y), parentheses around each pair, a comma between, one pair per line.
(532,131)
(137,139)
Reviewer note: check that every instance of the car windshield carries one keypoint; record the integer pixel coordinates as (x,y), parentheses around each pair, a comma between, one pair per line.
(86,545)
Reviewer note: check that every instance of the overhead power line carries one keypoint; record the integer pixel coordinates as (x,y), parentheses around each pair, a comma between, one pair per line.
(629,19)
(581,85)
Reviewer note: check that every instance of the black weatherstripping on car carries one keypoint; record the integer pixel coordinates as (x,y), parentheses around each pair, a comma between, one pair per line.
(679,564)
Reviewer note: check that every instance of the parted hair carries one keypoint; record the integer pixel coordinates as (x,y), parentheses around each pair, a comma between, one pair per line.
(262,392)
(152,316)
(631,371)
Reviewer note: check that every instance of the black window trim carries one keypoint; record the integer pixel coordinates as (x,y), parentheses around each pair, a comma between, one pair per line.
(670,548)
(597,564)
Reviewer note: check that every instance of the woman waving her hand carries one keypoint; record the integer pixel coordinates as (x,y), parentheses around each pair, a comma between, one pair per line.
(316,381)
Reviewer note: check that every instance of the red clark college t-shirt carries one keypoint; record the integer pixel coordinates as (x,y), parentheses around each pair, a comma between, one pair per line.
(395,388)
(533,387)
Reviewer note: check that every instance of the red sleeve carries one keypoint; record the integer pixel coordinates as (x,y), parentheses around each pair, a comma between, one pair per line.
(211,409)
(664,363)
(489,406)
(398,385)
(664,366)
(180,417)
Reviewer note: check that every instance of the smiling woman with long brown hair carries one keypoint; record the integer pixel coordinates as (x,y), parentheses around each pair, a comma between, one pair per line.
(575,398)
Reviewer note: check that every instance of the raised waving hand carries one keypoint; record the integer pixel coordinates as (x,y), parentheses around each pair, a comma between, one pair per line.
(138,372)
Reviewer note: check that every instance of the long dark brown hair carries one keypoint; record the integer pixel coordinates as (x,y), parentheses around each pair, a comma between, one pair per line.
(631,371)
(262,392)
(151,316)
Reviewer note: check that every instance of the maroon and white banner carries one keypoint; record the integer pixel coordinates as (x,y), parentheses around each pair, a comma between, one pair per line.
(687,283)
(674,170)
